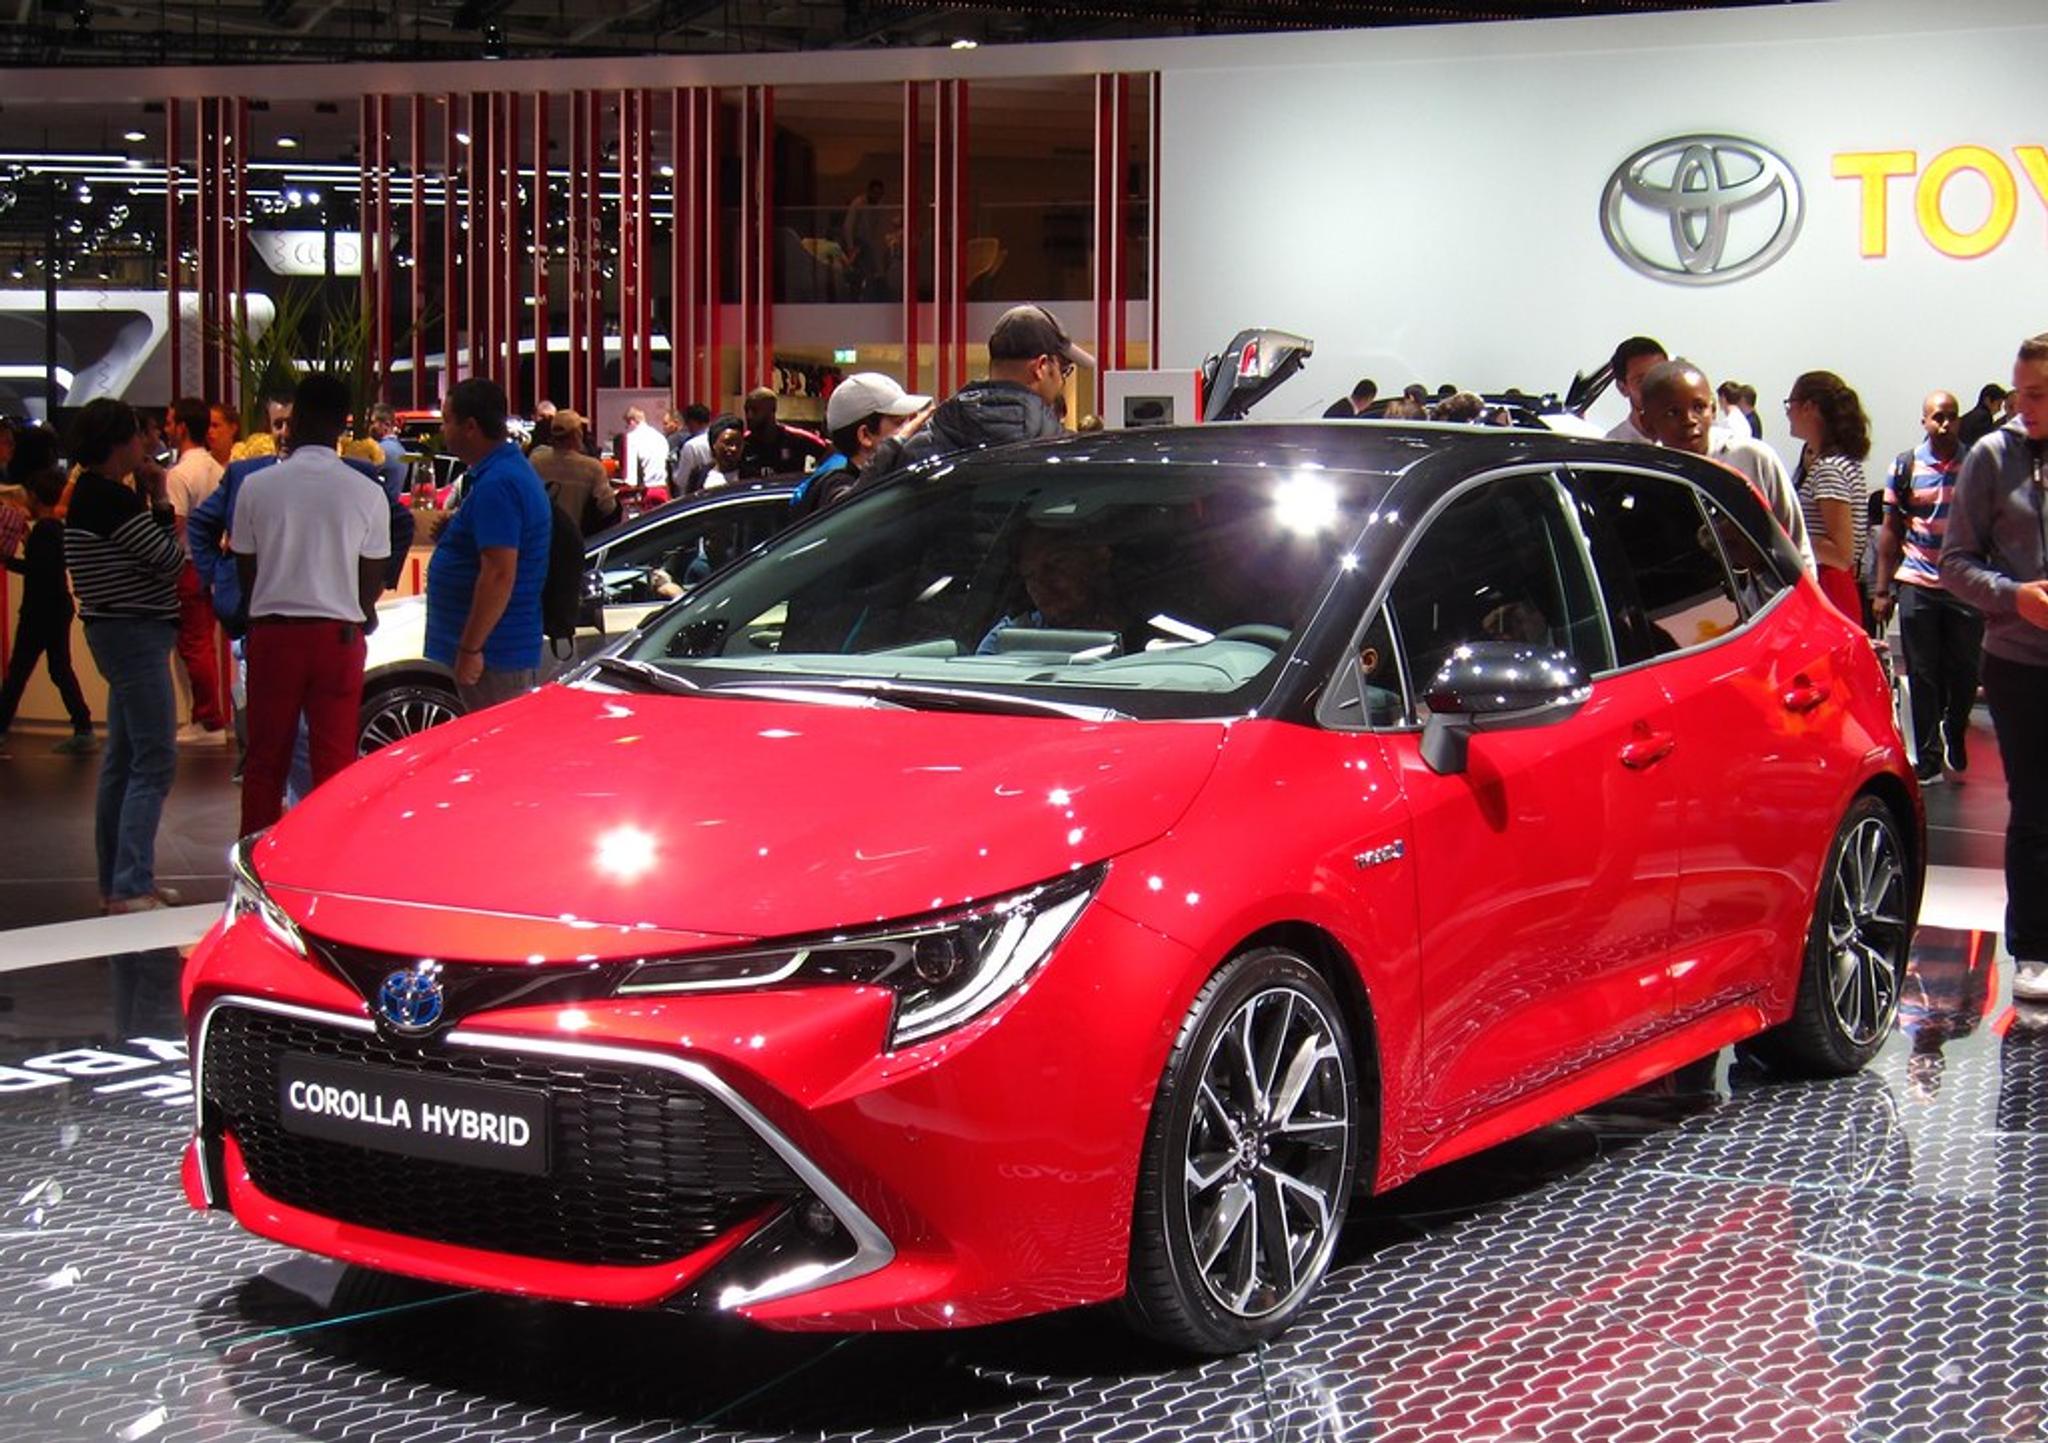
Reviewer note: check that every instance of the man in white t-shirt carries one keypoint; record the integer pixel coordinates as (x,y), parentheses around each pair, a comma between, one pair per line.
(644,467)
(1634,359)
(189,480)
(1678,404)
(310,538)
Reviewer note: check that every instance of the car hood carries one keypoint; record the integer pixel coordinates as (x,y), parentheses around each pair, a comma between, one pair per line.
(709,819)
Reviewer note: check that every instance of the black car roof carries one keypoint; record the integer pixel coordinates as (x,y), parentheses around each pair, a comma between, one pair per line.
(1388,448)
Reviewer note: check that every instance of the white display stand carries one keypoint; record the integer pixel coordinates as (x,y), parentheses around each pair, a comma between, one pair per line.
(1133,399)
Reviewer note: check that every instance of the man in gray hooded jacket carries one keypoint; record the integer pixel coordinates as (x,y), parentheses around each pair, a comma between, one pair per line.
(1995,557)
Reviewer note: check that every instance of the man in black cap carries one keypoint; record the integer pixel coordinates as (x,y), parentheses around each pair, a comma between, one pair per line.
(1030,359)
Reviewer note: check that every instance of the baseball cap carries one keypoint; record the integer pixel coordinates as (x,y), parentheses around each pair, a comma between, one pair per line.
(869,393)
(1023,332)
(566,423)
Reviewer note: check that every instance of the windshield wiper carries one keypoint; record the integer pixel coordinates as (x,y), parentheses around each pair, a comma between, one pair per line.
(654,676)
(939,698)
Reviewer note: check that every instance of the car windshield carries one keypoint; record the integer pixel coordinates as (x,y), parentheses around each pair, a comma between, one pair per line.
(1044,583)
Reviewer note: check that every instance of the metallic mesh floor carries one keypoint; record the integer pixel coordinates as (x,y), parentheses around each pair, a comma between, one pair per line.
(1724,1257)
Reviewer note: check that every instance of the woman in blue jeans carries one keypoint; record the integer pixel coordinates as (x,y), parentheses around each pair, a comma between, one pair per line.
(125,559)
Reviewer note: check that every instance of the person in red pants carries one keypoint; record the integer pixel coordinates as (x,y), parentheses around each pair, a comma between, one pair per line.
(189,481)
(310,537)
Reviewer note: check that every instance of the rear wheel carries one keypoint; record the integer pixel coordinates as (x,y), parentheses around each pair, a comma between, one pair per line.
(400,711)
(1249,1160)
(1856,951)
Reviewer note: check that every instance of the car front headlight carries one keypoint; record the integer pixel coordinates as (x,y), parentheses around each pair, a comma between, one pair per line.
(946,969)
(246,898)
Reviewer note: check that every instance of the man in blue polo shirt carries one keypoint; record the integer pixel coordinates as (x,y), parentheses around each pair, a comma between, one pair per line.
(484,583)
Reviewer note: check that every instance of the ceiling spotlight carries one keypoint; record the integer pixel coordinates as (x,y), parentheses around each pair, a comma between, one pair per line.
(965,44)
(494,41)
(668,170)
(287,142)
(312,197)
(132,136)
(462,137)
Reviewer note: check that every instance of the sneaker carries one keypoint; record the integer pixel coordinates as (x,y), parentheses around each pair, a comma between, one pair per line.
(2030,981)
(1928,775)
(1957,751)
(78,744)
(193,735)
(121,906)
(170,896)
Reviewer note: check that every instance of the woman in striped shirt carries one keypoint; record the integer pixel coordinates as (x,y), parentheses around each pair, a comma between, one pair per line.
(1827,415)
(124,559)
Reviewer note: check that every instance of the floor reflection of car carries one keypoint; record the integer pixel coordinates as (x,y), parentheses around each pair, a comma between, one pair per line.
(1064,874)
(635,569)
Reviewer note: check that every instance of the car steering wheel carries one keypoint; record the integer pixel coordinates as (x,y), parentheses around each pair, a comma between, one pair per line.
(1263,633)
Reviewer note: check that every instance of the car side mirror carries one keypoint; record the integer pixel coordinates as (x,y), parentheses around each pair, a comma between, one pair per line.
(1493,685)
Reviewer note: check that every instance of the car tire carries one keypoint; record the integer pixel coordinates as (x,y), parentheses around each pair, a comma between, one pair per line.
(1228,1149)
(1854,962)
(401,710)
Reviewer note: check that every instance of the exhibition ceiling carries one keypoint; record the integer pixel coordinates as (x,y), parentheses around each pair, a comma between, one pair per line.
(268,32)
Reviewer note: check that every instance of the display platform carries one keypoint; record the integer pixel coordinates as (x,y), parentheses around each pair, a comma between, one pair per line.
(1721,1257)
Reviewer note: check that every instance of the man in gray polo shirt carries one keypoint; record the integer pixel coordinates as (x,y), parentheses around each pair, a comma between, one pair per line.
(1993,558)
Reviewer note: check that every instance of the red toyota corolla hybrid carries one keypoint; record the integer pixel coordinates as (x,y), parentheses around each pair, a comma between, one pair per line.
(1065,875)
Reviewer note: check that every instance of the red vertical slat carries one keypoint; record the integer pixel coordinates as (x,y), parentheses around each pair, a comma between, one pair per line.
(960,228)
(238,211)
(1099,262)
(1152,224)
(912,222)
(768,248)
(515,290)
(644,108)
(366,203)
(451,283)
(715,258)
(574,235)
(942,209)
(593,292)
(542,212)
(417,272)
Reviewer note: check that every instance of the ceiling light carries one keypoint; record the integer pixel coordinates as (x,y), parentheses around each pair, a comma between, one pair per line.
(287,142)
(668,170)
(462,137)
(133,135)
(964,44)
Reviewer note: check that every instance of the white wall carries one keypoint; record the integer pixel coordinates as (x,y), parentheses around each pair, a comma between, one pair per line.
(1425,203)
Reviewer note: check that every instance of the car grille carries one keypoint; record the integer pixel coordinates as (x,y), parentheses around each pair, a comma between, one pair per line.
(646,1166)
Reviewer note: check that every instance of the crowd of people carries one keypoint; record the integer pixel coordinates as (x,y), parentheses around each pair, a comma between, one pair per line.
(158,538)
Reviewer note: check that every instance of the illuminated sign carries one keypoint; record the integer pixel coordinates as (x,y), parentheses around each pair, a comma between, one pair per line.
(1874,170)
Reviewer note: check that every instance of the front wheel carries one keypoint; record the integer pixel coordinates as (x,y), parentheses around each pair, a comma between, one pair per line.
(1249,1159)
(1856,949)
(402,710)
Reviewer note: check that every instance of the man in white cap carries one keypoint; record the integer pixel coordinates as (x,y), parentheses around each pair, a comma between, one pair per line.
(863,411)
(1031,361)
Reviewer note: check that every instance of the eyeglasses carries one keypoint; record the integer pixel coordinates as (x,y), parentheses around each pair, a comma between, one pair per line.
(1066,366)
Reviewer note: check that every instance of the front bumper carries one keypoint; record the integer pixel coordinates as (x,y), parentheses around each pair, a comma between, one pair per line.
(983,1175)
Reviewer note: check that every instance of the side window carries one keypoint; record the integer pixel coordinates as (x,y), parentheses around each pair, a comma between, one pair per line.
(1659,563)
(1756,579)
(1501,563)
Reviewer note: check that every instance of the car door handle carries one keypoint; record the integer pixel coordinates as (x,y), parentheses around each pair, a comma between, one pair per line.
(1804,695)
(1648,749)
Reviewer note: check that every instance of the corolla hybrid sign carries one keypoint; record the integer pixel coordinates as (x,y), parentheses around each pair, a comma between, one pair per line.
(1701,210)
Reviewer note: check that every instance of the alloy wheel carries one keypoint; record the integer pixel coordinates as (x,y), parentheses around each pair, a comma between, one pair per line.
(404,712)
(1867,933)
(1265,1153)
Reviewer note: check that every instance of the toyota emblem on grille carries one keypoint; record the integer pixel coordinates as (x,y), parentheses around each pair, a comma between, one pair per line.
(1701,210)
(411,1001)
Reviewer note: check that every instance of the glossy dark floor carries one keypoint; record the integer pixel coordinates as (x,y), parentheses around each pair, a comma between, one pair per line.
(1726,1256)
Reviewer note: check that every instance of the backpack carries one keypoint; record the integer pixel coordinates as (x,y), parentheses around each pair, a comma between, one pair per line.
(561,594)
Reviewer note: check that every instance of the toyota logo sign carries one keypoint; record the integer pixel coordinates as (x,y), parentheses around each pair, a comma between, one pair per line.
(1701,210)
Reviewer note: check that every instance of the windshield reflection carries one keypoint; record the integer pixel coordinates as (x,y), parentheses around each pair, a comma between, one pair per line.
(1155,591)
